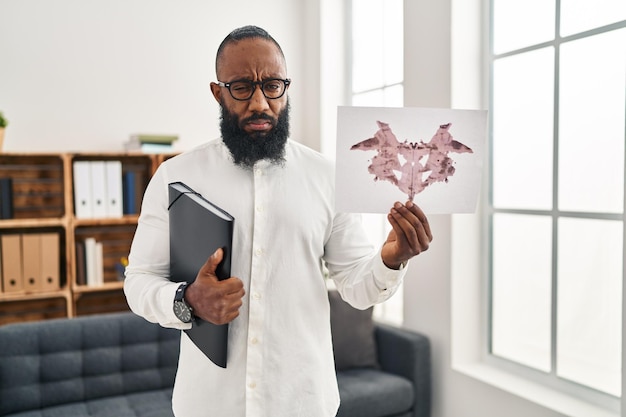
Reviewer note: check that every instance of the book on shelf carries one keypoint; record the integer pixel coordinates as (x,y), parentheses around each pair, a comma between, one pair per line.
(197,229)
(6,198)
(133,186)
(81,263)
(129,192)
(94,274)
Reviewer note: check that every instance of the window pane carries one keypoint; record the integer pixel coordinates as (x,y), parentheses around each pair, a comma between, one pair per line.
(367,44)
(591,123)
(580,15)
(589,330)
(373,98)
(384,97)
(521,290)
(523,92)
(378,43)
(517,24)
(394,41)
(394,96)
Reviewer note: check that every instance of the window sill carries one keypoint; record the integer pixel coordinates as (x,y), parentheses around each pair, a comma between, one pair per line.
(539,394)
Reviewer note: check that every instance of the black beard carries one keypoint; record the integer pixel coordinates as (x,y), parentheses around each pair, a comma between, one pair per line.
(246,149)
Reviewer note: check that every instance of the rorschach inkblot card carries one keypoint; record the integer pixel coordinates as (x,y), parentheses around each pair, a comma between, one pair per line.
(433,157)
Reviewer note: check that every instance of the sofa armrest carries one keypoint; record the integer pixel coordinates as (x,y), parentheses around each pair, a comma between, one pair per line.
(406,353)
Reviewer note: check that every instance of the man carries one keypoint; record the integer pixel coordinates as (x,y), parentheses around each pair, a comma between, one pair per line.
(280,359)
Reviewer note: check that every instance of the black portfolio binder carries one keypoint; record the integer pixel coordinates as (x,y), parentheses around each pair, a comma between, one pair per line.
(197,229)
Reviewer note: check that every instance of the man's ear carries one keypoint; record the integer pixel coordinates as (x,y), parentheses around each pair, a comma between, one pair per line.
(217,92)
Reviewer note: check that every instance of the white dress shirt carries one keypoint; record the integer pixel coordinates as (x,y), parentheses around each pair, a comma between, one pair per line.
(280,358)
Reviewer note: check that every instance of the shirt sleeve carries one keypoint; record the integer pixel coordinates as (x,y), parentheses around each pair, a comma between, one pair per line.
(356,266)
(147,287)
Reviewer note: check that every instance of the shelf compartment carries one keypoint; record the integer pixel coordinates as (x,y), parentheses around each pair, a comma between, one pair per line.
(116,241)
(139,165)
(37,184)
(101,302)
(20,229)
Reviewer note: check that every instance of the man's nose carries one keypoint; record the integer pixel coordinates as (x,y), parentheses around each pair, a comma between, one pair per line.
(258,102)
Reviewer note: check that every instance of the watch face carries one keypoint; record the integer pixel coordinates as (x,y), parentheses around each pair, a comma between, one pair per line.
(182,311)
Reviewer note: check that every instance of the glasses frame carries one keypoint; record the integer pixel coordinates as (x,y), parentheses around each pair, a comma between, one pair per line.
(286,81)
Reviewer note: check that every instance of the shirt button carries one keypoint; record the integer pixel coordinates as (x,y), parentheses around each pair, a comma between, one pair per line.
(258,252)
(256,296)
(252,385)
(259,208)
(254,340)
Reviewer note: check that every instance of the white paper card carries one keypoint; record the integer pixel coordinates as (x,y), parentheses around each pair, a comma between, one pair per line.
(431,156)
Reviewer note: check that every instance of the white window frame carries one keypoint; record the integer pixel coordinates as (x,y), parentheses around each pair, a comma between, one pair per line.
(470,298)
(470,284)
(549,379)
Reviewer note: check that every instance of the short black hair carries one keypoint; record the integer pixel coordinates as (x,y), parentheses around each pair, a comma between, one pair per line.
(245,32)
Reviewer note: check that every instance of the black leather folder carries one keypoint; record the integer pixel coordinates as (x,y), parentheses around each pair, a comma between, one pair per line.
(197,229)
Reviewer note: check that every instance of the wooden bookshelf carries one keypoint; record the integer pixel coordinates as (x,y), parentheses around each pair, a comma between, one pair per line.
(43,202)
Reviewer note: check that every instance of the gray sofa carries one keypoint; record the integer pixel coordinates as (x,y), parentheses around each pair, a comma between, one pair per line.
(119,365)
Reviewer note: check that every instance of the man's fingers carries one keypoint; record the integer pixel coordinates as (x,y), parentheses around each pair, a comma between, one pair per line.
(410,223)
(414,208)
(226,308)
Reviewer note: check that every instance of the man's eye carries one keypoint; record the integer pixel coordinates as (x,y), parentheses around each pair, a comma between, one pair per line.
(273,85)
(240,87)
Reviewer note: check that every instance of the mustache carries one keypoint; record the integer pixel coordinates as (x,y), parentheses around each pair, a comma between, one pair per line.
(258,116)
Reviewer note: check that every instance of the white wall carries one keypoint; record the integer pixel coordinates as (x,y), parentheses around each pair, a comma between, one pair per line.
(82,75)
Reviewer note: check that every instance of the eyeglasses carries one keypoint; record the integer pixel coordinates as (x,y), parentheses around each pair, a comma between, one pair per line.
(243,90)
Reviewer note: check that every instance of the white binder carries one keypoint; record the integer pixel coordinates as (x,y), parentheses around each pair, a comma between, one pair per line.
(98,188)
(114,188)
(82,189)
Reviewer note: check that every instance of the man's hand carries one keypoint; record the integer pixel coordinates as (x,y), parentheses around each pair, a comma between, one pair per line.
(410,234)
(212,300)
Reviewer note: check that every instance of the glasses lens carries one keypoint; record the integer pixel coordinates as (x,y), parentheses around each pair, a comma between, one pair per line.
(241,90)
(273,88)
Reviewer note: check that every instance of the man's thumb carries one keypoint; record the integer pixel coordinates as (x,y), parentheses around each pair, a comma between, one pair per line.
(212,262)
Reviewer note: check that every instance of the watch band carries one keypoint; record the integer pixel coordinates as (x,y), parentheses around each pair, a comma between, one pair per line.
(180,292)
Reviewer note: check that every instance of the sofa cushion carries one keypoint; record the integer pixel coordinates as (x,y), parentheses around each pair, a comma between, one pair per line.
(373,393)
(44,364)
(354,341)
(157,403)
